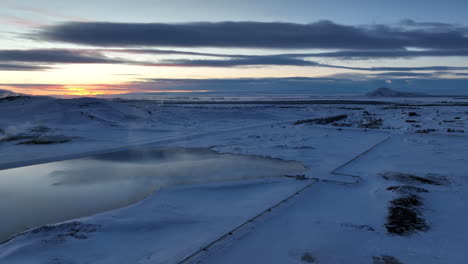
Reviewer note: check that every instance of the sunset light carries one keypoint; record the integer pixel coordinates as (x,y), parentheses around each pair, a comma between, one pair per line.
(75,45)
(233,132)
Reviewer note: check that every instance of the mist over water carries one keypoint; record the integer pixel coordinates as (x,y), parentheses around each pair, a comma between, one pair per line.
(48,193)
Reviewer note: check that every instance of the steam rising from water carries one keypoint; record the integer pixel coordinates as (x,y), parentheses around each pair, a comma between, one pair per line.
(47,193)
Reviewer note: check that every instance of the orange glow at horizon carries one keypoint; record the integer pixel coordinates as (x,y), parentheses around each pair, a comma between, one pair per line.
(95,80)
(85,90)
(101,79)
(80,91)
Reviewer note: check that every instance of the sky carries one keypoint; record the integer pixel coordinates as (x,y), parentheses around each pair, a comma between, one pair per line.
(87,48)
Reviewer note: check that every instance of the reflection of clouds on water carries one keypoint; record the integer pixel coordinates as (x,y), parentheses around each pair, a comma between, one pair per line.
(162,167)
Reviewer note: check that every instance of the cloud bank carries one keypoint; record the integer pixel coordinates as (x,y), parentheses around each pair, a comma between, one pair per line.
(21,67)
(270,35)
(41,59)
(54,56)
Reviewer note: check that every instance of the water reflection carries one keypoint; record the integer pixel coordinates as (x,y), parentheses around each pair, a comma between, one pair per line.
(37,195)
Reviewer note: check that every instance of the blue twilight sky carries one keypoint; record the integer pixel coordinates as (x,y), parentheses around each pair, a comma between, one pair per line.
(87,47)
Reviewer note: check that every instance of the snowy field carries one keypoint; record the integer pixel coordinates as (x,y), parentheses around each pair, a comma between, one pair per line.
(386,180)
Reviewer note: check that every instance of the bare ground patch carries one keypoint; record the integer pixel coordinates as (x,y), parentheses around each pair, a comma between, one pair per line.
(385,259)
(322,120)
(63,231)
(407,189)
(38,135)
(308,258)
(432,179)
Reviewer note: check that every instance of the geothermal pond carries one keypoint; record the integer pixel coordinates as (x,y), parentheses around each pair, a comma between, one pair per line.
(49,193)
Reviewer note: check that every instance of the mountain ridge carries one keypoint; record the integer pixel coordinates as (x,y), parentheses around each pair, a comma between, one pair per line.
(387,92)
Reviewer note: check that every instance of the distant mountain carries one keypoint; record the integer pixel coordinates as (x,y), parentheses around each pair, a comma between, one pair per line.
(387,92)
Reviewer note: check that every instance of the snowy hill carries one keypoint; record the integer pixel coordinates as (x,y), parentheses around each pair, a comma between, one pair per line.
(415,148)
(387,92)
(7,93)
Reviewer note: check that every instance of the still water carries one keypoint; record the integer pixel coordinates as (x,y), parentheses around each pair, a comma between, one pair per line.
(48,193)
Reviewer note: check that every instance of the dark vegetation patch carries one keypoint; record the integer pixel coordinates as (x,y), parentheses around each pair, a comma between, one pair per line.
(370,122)
(407,178)
(440,179)
(45,140)
(452,130)
(404,213)
(322,120)
(342,124)
(385,259)
(425,131)
(407,189)
(303,147)
(63,231)
(300,177)
(404,216)
(307,257)
(408,201)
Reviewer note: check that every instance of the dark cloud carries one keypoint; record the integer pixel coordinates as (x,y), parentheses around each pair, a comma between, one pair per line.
(374,54)
(344,54)
(17,59)
(412,23)
(402,69)
(251,61)
(405,74)
(322,34)
(287,61)
(25,87)
(38,59)
(428,68)
(21,67)
(54,56)
(171,52)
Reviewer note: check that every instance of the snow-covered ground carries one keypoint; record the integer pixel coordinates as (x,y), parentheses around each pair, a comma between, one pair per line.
(368,164)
